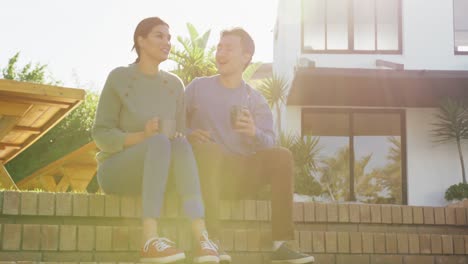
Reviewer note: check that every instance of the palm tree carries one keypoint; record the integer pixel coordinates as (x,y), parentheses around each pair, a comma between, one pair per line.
(452,125)
(195,59)
(275,91)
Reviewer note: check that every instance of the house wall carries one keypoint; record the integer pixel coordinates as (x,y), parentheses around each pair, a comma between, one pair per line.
(427,44)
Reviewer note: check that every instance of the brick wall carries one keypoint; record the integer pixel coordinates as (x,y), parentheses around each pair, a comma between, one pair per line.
(66,227)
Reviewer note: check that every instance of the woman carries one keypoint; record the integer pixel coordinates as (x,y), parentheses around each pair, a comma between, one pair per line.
(135,158)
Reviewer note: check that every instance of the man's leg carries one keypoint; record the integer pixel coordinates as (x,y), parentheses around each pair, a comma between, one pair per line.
(275,166)
(209,157)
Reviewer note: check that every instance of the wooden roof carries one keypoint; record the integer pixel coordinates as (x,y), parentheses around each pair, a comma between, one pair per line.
(73,171)
(375,87)
(28,111)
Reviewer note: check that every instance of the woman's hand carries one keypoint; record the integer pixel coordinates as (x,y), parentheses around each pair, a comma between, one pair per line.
(151,127)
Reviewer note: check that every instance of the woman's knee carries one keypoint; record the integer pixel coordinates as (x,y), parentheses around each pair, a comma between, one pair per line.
(181,145)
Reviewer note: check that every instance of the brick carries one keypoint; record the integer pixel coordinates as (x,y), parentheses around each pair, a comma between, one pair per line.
(28,203)
(367,243)
(305,241)
(323,259)
(332,212)
(318,242)
(34,257)
(67,257)
(386,259)
(447,244)
(135,238)
(451,259)
(403,243)
(418,259)
(237,209)
(320,212)
(240,240)
(428,215)
(128,206)
(343,242)
(171,205)
(450,216)
(67,237)
(11,202)
(354,214)
(436,244)
(458,245)
(386,214)
(86,238)
(331,244)
(11,236)
(31,237)
(397,217)
(418,216)
(379,243)
(46,204)
(413,241)
(138,207)
(309,212)
(425,243)
(376,215)
(103,238)
(184,237)
(80,204)
(262,211)
(466,243)
(460,216)
(114,256)
(439,215)
(227,239)
(298,212)
(120,238)
(96,204)
(112,205)
(49,237)
(253,240)
(63,204)
(225,210)
(343,213)
(346,259)
(365,214)
(250,210)
(355,242)
(391,243)
(407,213)
(265,240)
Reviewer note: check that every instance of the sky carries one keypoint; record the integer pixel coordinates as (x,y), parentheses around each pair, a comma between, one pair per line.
(82,41)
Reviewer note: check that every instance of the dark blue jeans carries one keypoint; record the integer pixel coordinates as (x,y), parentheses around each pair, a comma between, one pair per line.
(144,169)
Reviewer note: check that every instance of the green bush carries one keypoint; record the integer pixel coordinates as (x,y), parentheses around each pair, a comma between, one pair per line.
(457,192)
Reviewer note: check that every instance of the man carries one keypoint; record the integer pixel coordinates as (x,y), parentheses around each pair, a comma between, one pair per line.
(231,130)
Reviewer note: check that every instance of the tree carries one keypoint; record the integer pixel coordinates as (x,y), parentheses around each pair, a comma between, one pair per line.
(305,151)
(452,125)
(275,91)
(194,59)
(69,134)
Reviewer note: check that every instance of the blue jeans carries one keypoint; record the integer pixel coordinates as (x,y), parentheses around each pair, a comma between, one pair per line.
(144,168)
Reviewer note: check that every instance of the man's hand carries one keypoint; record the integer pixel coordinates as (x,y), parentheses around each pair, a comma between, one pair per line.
(199,136)
(245,124)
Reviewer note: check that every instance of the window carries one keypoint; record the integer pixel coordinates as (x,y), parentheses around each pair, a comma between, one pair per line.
(351,26)
(362,153)
(460,26)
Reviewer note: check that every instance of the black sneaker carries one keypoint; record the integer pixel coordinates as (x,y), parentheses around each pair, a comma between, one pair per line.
(286,255)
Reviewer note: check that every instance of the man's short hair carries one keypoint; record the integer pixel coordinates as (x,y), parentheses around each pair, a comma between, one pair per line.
(247,42)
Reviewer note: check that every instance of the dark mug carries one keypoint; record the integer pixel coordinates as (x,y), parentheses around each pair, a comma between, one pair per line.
(236,112)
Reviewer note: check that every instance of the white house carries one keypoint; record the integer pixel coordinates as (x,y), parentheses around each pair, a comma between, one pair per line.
(363,72)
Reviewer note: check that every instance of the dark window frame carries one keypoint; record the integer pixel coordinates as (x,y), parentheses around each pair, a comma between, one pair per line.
(351,49)
(455,51)
(350,112)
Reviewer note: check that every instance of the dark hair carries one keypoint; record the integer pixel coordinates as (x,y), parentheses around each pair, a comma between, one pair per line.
(143,29)
(247,42)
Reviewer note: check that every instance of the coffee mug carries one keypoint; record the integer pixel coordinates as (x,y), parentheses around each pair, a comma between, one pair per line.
(236,112)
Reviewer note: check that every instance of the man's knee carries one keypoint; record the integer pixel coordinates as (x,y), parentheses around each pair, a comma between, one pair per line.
(209,148)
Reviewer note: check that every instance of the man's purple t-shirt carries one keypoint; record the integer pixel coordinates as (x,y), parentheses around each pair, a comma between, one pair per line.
(209,104)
